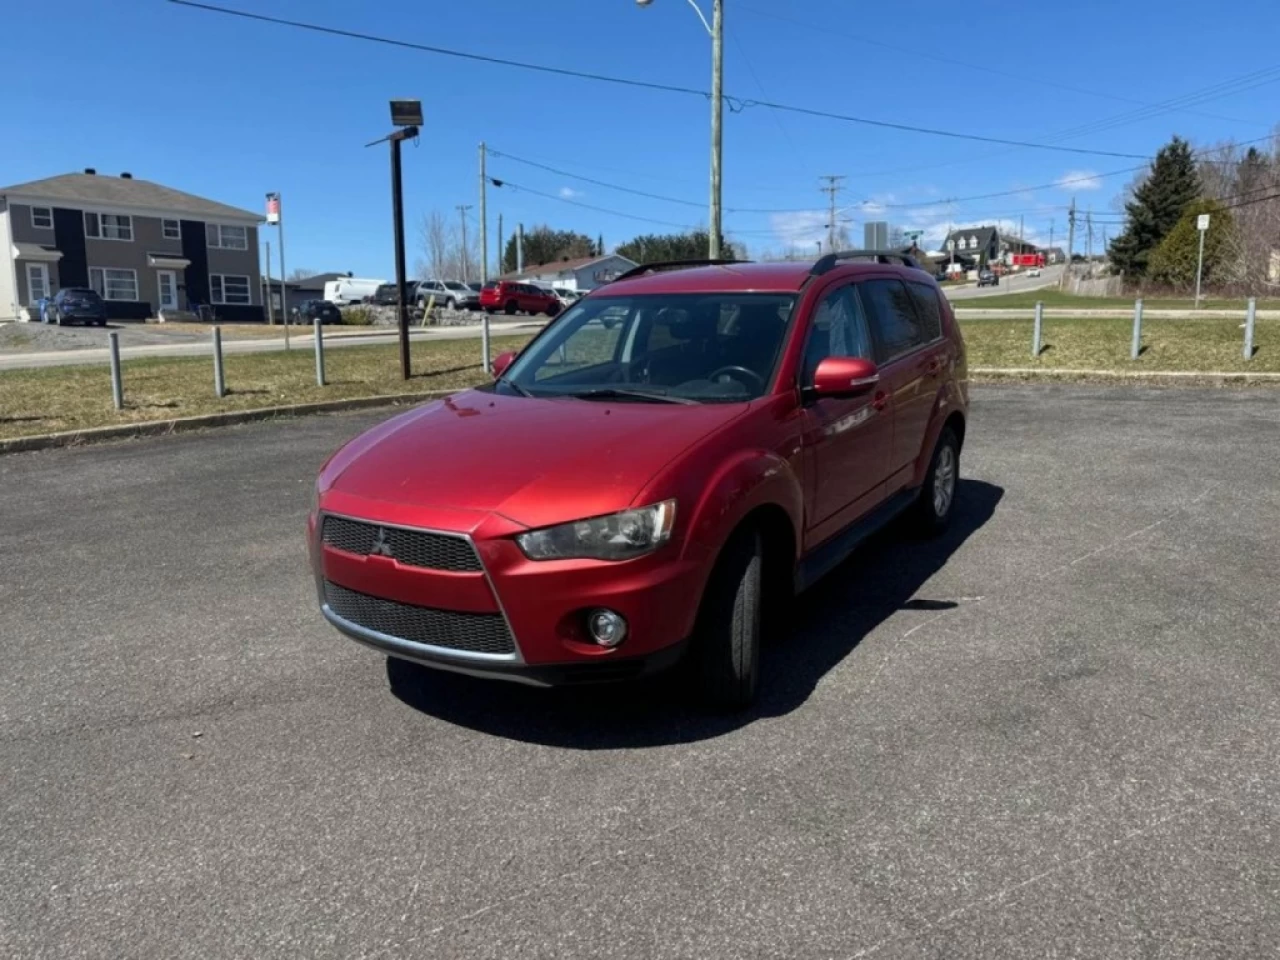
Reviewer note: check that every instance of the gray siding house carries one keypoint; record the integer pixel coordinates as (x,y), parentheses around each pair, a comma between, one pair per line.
(147,249)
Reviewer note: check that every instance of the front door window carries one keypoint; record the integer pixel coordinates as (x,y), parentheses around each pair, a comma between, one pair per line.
(37,282)
(168,285)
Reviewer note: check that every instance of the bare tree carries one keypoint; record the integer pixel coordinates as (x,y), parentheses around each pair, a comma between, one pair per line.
(300,273)
(443,257)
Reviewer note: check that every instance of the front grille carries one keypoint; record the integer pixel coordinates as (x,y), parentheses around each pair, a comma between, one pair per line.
(413,548)
(471,632)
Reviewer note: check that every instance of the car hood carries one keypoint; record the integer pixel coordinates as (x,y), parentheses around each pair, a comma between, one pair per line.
(537,461)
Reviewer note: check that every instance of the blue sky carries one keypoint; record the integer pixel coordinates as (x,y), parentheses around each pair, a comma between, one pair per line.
(228,109)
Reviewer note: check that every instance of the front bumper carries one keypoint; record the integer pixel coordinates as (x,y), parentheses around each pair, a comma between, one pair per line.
(543,604)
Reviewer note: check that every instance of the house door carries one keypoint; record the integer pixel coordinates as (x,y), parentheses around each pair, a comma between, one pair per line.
(167,281)
(37,282)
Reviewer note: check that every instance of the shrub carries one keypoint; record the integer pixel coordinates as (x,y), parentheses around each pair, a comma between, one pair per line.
(357,317)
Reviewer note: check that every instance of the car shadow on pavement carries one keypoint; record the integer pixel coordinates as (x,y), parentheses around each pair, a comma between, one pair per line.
(883,577)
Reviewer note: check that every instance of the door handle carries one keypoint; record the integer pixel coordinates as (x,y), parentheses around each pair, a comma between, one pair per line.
(932,367)
(880,400)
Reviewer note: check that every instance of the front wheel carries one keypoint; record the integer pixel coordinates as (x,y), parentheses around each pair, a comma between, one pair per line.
(510,308)
(449,304)
(938,492)
(726,650)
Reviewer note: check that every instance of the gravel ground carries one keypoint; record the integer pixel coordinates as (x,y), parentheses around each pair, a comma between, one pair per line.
(1054,732)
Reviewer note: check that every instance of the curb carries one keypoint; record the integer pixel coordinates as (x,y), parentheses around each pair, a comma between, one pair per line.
(154,428)
(1198,376)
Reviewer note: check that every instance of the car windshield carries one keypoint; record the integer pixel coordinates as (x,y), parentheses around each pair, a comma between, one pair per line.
(491,285)
(80,292)
(708,347)
(455,285)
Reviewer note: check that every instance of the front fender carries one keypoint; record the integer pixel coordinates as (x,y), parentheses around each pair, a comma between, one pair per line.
(749,480)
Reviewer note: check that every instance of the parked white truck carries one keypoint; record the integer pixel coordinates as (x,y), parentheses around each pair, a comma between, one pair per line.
(347,290)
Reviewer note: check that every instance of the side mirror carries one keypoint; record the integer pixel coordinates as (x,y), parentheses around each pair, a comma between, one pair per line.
(844,377)
(501,362)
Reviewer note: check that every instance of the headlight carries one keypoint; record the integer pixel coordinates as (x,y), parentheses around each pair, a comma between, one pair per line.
(619,536)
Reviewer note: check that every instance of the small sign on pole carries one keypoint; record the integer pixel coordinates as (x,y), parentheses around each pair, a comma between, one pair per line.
(273,208)
(1202,222)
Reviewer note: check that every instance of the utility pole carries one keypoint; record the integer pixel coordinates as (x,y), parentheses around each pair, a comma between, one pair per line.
(1071,232)
(1051,225)
(520,248)
(484,229)
(1022,233)
(284,295)
(1088,243)
(466,251)
(717,110)
(832,189)
(500,244)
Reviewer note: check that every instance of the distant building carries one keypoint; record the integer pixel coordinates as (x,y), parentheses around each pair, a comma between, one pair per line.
(978,244)
(585,273)
(147,249)
(298,292)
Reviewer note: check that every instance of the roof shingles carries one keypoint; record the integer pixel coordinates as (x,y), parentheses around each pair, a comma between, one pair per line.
(81,189)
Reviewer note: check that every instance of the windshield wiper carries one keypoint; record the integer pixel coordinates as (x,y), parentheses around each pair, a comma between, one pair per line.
(615,393)
(515,386)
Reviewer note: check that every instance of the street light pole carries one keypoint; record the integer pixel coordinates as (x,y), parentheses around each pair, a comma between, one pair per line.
(716,31)
(717,109)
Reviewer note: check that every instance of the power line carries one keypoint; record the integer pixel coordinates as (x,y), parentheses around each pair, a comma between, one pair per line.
(735,104)
(499,182)
(910,51)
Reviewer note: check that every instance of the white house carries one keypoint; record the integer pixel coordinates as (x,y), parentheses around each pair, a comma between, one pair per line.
(585,273)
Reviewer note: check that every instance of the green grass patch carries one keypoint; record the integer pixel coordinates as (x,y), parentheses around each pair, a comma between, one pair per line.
(1059,300)
(54,399)
(1097,344)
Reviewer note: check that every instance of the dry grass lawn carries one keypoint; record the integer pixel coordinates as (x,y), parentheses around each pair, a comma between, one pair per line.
(54,399)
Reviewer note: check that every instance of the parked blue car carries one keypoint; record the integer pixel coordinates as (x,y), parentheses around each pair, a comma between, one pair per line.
(76,304)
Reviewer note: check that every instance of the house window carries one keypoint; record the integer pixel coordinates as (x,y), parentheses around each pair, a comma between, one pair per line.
(42,217)
(172,229)
(227,238)
(37,282)
(108,226)
(973,243)
(229,288)
(114,284)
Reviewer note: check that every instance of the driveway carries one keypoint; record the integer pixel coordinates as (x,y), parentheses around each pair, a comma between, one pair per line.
(1054,732)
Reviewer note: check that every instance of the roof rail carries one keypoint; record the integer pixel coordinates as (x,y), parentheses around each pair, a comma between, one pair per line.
(829,261)
(658,265)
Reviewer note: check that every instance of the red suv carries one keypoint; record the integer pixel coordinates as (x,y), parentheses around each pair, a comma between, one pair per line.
(511,297)
(675,456)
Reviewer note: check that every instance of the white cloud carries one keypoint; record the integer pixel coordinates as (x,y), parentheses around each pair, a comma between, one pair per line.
(568,193)
(1079,180)
(800,228)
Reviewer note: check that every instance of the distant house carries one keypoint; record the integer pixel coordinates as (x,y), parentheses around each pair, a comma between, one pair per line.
(585,273)
(979,244)
(144,247)
(299,291)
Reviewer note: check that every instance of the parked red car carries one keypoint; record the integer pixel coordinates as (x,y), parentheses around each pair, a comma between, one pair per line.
(678,453)
(512,297)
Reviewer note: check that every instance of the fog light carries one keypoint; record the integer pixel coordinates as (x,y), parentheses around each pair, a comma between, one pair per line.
(606,627)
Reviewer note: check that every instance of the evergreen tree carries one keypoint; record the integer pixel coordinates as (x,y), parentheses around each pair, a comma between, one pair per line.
(600,245)
(545,245)
(1156,207)
(652,248)
(1174,261)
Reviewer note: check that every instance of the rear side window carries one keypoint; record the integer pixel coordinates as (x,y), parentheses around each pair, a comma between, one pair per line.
(893,317)
(928,309)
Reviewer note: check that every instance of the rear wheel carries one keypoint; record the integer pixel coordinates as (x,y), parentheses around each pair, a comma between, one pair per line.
(726,654)
(938,493)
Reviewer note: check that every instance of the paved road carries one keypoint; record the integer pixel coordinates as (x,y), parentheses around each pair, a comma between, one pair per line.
(1014,283)
(1054,733)
(138,340)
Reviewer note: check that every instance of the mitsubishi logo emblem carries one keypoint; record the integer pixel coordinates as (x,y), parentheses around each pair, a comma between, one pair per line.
(380,546)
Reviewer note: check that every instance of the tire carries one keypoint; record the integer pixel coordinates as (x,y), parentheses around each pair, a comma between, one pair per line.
(932,510)
(509,307)
(489,310)
(551,311)
(726,652)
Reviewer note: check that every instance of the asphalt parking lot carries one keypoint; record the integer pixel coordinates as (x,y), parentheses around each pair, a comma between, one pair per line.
(1055,732)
